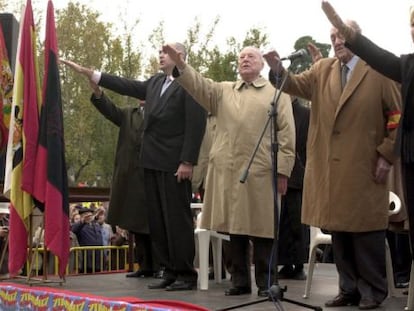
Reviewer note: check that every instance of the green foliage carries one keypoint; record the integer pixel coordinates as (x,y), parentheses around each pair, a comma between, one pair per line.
(90,138)
(211,61)
(303,63)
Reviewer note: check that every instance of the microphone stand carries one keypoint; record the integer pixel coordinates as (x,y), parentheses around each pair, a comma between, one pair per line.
(276,293)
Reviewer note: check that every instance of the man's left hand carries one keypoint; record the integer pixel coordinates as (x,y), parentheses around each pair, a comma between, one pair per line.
(282,182)
(185,171)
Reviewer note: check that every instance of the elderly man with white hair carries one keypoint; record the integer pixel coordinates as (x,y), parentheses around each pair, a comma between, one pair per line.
(244,210)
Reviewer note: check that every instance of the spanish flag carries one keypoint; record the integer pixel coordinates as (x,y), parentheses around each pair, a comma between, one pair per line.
(22,141)
(51,183)
(6,92)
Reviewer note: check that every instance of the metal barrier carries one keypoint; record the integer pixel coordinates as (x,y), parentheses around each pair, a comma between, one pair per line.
(82,260)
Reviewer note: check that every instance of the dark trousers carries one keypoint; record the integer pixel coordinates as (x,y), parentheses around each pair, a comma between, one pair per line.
(143,252)
(360,261)
(408,183)
(171,224)
(401,255)
(293,235)
(240,260)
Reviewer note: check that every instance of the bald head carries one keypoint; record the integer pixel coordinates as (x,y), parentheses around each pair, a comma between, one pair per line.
(250,63)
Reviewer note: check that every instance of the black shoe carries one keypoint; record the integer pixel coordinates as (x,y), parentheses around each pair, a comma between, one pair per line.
(342,301)
(159,274)
(139,274)
(368,304)
(162,284)
(286,272)
(237,290)
(263,292)
(402,285)
(181,285)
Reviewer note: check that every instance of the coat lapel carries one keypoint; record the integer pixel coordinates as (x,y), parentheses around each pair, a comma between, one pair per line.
(163,99)
(358,74)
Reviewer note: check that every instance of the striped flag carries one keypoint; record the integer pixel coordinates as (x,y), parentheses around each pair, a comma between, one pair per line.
(22,141)
(51,184)
(6,92)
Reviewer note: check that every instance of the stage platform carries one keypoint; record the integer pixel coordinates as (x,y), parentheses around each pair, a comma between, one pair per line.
(116,287)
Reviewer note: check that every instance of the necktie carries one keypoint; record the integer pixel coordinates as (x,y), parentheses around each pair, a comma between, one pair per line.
(344,73)
(167,82)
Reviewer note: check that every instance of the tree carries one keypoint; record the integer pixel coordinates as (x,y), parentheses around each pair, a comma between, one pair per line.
(304,63)
(90,139)
(223,66)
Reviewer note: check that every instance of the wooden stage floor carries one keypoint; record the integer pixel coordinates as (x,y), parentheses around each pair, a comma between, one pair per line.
(324,287)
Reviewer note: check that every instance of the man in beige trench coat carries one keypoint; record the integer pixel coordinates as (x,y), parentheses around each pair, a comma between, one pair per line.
(350,151)
(244,210)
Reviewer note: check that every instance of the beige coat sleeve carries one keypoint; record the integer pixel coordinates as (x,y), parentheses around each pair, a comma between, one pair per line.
(286,136)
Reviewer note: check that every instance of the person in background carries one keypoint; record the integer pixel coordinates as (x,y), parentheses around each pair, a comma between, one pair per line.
(89,233)
(244,210)
(293,235)
(75,217)
(173,129)
(350,150)
(401,70)
(119,238)
(107,232)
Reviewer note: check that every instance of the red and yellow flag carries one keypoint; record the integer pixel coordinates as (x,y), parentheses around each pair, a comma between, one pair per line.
(6,92)
(22,141)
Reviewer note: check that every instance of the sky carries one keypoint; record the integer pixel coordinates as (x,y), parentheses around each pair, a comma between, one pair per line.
(386,22)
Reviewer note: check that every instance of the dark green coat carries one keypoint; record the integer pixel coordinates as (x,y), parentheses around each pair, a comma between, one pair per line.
(127,207)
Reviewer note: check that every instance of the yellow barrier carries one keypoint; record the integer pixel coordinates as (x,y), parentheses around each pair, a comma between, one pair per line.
(82,260)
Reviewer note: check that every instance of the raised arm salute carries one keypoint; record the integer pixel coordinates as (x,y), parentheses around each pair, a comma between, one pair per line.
(400,69)
(172,133)
(241,109)
(345,188)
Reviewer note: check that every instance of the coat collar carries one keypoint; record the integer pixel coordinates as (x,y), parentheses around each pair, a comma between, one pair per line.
(258,83)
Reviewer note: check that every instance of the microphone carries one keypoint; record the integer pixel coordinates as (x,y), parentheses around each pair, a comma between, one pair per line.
(295,55)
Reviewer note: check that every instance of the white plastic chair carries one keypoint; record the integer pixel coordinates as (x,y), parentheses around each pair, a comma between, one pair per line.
(203,238)
(317,237)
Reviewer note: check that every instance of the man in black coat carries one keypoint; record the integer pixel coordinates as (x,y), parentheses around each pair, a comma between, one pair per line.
(293,235)
(127,208)
(173,130)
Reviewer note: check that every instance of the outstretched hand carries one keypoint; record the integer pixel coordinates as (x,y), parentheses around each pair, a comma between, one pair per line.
(78,68)
(176,56)
(336,21)
(331,14)
(273,60)
(314,52)
(86,72)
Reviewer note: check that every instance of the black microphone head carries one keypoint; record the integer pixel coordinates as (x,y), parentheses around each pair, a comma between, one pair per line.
(295,55)
(302,52)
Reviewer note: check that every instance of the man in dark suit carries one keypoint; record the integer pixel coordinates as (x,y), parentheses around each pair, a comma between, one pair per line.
(173,130)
